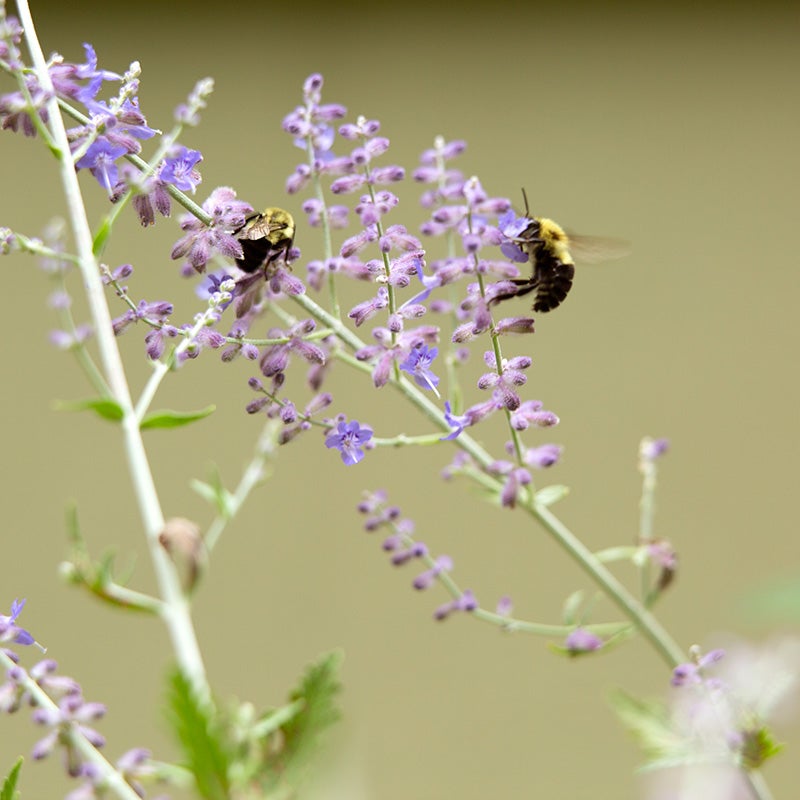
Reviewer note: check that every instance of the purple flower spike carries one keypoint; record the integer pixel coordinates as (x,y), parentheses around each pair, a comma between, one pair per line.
(348,439)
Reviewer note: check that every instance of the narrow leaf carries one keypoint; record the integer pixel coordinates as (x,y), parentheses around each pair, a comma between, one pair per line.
(649,723)
(104,407)
(200,739)
(101,237)
(175,419)
(548,495)
(9,788)
(301,733)
(214,492)
(572,605)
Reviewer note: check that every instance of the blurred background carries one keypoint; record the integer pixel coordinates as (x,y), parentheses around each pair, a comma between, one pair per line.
(672,126)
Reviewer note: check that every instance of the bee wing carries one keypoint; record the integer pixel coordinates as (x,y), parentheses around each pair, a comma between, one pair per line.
(260,229)
(593,249)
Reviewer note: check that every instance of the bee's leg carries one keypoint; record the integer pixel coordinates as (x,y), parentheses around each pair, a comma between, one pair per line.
(526,285)
(523,287)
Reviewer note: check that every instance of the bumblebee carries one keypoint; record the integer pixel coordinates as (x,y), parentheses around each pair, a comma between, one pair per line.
(549,250)
(264,238)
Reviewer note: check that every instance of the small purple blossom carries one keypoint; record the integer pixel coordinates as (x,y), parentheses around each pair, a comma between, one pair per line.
(472,416)
(418,364)
(100,160)
(201,241)
(400,557)
(531,413)
(692,672)
(517,478)
(504,380)
(465,602)
(310,126)
(368,308)
(10,631)
(180,171)
(426,579)
(456,422)
(582,641)
(542,457)
(511,226)
(348,440)
(513,325)
(652,449)
(275,358)
(504,606)
(73,713)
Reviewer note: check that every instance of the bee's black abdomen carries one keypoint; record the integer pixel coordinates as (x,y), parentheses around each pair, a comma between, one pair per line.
(552,280)
(254,254)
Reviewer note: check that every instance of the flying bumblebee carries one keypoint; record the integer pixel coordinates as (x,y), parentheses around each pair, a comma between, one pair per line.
(549,250)
(264,238)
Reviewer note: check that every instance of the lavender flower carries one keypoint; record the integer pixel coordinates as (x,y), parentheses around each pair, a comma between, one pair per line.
(348,440)
(465,602)
(100,160)
(73,713)
(652,449)
(504,379)
(426,579)
(180,171)
(720,706)
(418,364)
(542,457)
(582,641)
(531,412)
(10,631)
(201,241)
(275,358)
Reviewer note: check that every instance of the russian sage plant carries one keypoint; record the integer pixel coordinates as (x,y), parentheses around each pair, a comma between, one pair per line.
(428,305)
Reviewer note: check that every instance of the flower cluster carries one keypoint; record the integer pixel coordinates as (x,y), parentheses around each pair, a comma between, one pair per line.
(59,707)
(109,130)
(404,548)
(721,702)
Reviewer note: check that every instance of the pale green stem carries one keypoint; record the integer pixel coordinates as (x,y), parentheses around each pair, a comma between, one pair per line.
(176,608)
(253,475)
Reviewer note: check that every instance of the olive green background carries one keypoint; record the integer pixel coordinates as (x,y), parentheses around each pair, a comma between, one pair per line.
(674,127)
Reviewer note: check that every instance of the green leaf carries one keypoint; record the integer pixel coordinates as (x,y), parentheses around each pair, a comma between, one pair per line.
(759,746)
(101,237)
(175,419)
(649,723)
(572,605)
(105,407)
(548,495)
(9,788)
(199,733)
(301,733)
(215,493)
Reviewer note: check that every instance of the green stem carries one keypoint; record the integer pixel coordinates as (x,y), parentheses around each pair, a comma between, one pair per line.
(649,626)
(176,607)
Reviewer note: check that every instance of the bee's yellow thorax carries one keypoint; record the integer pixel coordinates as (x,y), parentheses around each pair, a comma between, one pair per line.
(555,239)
